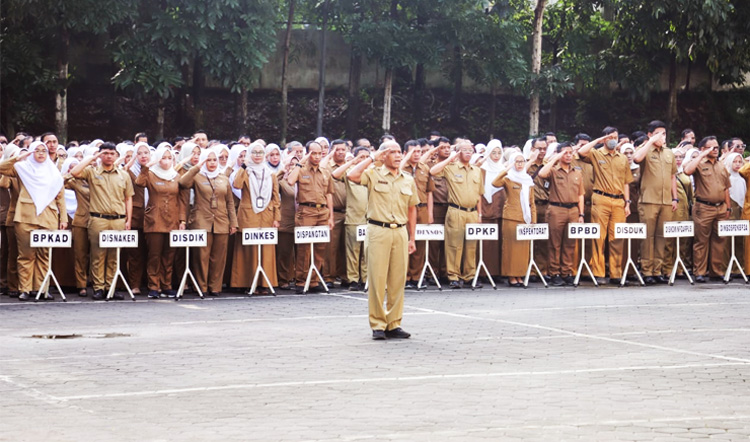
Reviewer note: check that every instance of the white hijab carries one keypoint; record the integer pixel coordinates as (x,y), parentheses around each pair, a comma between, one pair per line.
(42,180)
(270,148)
(234,155)
(167,174)
(625,147)
(73,151)
(526,183)
(90,150)
(261,183)
(10,151)
(71,202)
(217,149)
(187,152)
(739,186)
(204,156)
(136,167)
(491,170)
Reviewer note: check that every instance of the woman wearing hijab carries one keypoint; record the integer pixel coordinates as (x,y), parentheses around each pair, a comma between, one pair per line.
(259,207)
(628,150)
(135,258)
(493,201)
(9,231)
(286,249)
(41,206)
(212,211)
(77,204)
(683,213)
(223,152)
(189,156)
(737,196)
(519,209)
(162,215)
(273,157)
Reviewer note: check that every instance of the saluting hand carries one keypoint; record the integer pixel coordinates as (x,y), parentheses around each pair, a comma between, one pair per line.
(24,155)
(453,156)
(534,155)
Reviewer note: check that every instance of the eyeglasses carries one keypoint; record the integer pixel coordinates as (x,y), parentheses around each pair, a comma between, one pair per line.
(223,157)
(257,153)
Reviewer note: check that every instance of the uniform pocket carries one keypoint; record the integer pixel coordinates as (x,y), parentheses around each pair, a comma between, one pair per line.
(384,188)
(406,190)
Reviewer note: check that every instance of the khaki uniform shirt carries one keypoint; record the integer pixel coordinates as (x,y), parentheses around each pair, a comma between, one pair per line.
(139,203)
(440,194)
(11,184)
(657,169)
(313,183)
(356,202)
(25,210)
(425,184)
(565,186)
(108,190)
(512,209)
(389,196)
(217,220)
(587,171)
(464,184)
(288,205)
(246,212)
(611,170)
(339,190)
(81,217)
(541,186)
(711,181)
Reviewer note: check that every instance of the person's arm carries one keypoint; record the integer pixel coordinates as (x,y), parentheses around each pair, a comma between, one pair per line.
(427,155)
(586,148)
(430,203)
(128,211)
(6,167)
(186,180)
(340,171)
(641,152)
(545,171)
(745,170)
(411,226)
(355,175)
(326,159)
(727,201)
(405,160)
(438,168)
(329,202)
(690,167)
(276,203)
(675,198)
(77,171)
(142,179)
(61,210)
(294,173)
(580,209)
(626,195)
(240,178)
(229,198)
(130,163)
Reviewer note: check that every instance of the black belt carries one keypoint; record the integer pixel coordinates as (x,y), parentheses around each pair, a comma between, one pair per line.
(339,210)
(388,225)
(105,216)
(456,206)
(617,197)
(439,204)
(422,204)
(709,204)
(542,201)
(565,205)
(317,206)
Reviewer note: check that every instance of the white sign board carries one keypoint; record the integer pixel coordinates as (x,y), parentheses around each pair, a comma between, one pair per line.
(60,239)
(309,235)
(584,231)
(734,228)
(679,229)
(429,232)
(482,231)
(251,237)
(630,230)
(529,232)
(188,238)
(361,232)
(113,239)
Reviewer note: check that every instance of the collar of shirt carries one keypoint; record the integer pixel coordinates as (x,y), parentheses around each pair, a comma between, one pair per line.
(384,171)
(100,170)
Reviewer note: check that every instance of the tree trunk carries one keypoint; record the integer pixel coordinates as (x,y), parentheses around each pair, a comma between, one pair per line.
(352,112)
(672,105)
(493,111)
(536,65)
(387,96)
(243,110)
(284,79)
(160,119)
(322,72)
(61,97)
(458,74)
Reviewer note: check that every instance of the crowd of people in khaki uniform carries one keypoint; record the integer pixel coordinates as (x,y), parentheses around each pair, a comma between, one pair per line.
(223,188)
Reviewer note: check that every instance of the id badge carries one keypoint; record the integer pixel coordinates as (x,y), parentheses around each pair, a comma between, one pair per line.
(214,203)
(259,202)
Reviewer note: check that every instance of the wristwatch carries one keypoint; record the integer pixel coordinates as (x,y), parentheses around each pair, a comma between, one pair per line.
(628,201)
(581,215)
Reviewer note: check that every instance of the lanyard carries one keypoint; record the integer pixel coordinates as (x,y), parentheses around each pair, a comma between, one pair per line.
(262,180)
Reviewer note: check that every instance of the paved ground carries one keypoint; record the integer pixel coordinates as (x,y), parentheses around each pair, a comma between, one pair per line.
(604,364)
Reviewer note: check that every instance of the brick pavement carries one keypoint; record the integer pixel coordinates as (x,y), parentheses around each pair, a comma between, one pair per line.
(655,363)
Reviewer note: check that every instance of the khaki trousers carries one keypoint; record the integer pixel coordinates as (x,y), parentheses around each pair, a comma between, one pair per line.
(12,264)
(3,258)
(706,219)
(654,247)
(356,256)
(103,261)
(336,260)
(460,254)
(209,262)
(561,249)
(387,255)
(81,247)
(32,261)
(285,257)
(308,217)
(607,212)
(437,250)
(416,259)
(160,259)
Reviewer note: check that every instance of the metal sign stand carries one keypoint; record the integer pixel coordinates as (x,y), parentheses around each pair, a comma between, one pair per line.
(628,265)
(50,276)
(532,263)
(582,265)
(317,272)
(734,260)
(426,266)
(260,270)
(678,262)
(183,282)
(481,266)
(118,273)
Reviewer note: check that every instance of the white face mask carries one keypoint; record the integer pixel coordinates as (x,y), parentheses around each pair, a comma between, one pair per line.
(611,144)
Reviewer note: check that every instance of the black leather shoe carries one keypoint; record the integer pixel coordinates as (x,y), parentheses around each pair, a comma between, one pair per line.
(299,289)
(118,296)
(569,280)
(397,333)
(378,335)
(170,293)
(47,297)
(661,279)
(478,286)
(557,281)
(153,294)
(213,294)
(318,289)
(601,280)
(98,295)
(410,285)
(329,285)
(614,281)
(649,280)
(700,278)
(25,296)
(356,287)
(455,285)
